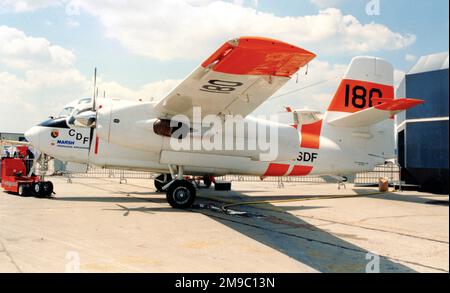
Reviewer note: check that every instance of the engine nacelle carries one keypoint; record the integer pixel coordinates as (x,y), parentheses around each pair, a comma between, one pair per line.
(127,124)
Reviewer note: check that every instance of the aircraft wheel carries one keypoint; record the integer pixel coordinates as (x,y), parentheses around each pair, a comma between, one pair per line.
(160,182)
(181,194)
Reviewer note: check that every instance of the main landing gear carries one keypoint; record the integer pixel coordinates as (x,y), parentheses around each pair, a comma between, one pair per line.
(180,191)
(161,181)
(181,194)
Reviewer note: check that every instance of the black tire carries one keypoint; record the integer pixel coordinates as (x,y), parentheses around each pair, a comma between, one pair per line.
(47,189)
(181,194)
(37,189)
(207,181)
(160,182)
(24,190)
(42,189)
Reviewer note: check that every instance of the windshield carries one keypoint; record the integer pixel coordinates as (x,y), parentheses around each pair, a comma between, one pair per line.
(80,109)
(85,101)
(55,123)
(66,112)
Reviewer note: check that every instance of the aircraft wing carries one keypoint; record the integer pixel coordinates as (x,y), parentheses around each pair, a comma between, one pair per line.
(237,78)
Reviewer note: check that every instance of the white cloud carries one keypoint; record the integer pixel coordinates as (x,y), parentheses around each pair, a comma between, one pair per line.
(37,78)
(167,30)
(410,58)
(192,29)
(326,3)
(26,6)
(71,23)
(150,92)
(313,91)
(23,52)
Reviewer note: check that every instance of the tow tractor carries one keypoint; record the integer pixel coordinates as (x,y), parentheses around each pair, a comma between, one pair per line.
(15,178)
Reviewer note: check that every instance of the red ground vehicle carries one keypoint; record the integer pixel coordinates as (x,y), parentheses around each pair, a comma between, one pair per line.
(21,151)
(15,179)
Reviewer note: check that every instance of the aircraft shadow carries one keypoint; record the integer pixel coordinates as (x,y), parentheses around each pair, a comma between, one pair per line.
(308,244)
(111,199)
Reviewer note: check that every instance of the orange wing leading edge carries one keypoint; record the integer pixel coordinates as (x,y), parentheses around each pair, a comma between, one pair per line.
(258,56)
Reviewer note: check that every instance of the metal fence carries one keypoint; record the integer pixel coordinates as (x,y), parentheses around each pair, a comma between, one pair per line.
(389,171)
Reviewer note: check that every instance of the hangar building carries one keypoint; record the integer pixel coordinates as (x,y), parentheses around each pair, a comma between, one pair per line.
(12,136)
(422,132)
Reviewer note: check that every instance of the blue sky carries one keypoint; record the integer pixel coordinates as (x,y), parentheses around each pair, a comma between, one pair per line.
(140,48)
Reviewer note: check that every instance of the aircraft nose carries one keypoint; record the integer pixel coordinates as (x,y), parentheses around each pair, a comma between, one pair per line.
(33,136)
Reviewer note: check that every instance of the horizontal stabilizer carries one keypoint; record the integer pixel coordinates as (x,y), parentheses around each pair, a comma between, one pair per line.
(386,110)
(304,116)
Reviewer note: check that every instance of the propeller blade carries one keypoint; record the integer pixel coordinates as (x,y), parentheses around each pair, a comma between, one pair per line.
(94,97)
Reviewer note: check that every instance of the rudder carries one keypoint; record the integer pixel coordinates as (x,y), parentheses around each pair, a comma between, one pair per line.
(367,80)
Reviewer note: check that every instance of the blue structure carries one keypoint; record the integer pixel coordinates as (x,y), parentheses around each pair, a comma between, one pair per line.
(422,132)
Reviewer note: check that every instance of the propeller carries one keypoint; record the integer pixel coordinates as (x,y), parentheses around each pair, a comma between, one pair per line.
(88,116)
(92,115)
(94,96)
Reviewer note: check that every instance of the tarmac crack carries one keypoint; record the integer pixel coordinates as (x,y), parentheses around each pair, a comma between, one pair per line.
(319,241)
(377,229)
(11,259)
(354,225)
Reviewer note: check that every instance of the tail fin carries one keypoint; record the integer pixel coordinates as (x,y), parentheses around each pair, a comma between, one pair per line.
(366,95)
(367,80)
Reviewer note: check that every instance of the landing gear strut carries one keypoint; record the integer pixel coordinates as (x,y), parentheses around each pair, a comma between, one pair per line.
(207,180)
(161,181)
(180,192)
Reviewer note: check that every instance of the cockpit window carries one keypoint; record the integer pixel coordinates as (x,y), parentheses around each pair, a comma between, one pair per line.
(66,112)
(84,101)
(71,119)
(55,123)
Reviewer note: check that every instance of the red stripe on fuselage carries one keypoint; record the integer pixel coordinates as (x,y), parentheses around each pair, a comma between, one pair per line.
(277,170)
(96,145)
(311,135)
(301,170)
(310,139)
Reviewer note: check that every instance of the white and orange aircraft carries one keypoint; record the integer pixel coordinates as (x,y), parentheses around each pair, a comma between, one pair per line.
(352,136)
